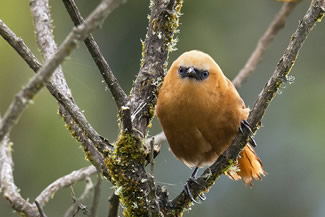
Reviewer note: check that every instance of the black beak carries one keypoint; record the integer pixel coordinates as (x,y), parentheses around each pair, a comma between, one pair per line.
(191,73)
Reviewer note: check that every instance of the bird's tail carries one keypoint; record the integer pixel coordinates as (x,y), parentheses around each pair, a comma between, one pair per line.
(249,165)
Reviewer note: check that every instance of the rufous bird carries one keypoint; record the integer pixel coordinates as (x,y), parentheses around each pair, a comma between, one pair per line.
(200,112)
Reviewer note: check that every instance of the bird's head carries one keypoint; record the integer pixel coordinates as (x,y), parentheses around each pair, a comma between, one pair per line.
(194,66)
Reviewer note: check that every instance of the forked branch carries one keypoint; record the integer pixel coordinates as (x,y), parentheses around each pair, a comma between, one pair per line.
(25,96)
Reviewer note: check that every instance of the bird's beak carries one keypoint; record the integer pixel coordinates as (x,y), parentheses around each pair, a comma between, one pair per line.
(191,72)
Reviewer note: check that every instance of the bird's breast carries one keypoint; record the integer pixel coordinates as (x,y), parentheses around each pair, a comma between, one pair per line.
(197,125)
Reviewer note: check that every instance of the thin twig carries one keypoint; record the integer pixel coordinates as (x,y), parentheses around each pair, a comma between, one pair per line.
(18,44)
(65,181)
(114,203)
(276,25)
(119,95)
(95,204)
(159,138)
(314,14)
(152,162)
(77,205)
(40,209)
(7,184)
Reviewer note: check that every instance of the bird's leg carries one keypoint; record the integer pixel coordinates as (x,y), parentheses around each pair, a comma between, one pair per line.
(188,190)
(245,124)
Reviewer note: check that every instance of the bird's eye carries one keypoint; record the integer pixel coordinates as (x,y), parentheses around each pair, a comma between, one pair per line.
(181,70)
(205,74)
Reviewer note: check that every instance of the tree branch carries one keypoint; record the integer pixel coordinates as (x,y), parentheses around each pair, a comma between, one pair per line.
(45,39)
(88,145)
(7,184)
(40,209)
(73,115)
(65,181)
(276,25)
(18,44)
(314,14)
(119,95)
(77,205)
(114,203)
(159,42)
(158,139)
(95,203)
(126,164)
(24,97)
(57,86)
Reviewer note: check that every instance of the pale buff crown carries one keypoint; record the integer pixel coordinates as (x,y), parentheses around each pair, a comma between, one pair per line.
(198,60)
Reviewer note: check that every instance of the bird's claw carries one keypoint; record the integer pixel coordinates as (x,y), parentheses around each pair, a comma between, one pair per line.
(245,124)
(188,190)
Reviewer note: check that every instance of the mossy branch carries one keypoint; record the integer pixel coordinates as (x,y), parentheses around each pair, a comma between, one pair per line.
(313,15)
(159,42)
(135,187)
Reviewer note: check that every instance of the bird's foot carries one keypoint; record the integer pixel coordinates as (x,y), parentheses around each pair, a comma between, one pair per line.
(245,124)
(188,190)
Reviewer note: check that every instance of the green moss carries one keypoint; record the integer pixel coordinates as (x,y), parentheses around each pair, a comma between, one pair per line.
(319,17)
(164,29)
(122,164)
(143,53)
(88,155)
(151,114)
(22,214)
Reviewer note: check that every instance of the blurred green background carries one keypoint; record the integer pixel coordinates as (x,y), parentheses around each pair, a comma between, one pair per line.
(291,144)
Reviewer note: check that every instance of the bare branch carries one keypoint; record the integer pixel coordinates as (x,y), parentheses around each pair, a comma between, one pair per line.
(24,97)
(314,14)
(158,138)
(77,205)
(19,45)
(44,30)
(114,203)
(59,89)
(40,209)
(276,25)
(119,95)
(7,184)
(96,197)
(65,181)
(153,145)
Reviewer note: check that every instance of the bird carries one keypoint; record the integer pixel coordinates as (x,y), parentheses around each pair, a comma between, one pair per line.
(200,112)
